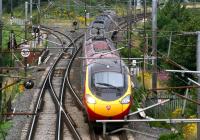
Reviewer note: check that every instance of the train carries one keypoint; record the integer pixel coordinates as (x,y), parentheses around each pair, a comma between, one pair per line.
(106,79)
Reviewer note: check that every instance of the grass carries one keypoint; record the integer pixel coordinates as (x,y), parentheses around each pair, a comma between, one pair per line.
(4,127)
(171,136)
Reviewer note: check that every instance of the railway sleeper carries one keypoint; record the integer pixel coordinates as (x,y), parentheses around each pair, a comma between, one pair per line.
(59,72)
(66,55)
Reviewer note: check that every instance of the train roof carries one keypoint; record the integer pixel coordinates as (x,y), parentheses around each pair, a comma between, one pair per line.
(102,65)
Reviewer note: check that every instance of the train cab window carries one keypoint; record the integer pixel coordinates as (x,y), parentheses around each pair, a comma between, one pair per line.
(108,80)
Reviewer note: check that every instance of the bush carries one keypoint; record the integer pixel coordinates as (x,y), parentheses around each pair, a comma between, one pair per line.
(171,136)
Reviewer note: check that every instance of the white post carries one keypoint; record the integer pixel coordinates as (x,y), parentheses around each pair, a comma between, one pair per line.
(198,90)
(154,43)
(31,8)
(26,10)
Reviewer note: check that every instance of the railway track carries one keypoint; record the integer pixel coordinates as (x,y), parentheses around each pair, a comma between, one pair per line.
(117,136)
(125,20)
(47,124)
(59,107)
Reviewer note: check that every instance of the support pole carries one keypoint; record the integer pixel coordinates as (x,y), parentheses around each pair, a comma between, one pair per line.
(154,43)
(68,5)
(38,16)
(39,4)
(11,8)
(184,103)
(145,39)
(104,129)
(129,31)
(85,14)
(1,59)
(1,25)
(26,10)
(198,90)
(170,43)
(26,30)
(31,9)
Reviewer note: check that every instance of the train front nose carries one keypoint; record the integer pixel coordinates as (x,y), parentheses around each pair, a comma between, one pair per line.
(108,111)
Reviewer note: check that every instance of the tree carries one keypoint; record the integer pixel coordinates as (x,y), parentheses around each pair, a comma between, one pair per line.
(177,19)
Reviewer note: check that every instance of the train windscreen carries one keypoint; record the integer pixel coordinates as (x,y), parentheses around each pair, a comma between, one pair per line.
(108,85)
(108,79)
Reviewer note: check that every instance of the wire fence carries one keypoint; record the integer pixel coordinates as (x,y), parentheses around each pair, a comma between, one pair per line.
(164,110)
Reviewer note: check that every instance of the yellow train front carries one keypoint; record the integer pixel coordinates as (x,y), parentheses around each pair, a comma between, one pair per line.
(107,92)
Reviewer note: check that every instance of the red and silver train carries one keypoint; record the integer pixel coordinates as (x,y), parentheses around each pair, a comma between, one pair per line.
(107,83)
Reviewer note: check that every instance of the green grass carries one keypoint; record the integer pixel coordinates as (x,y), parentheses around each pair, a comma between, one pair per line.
(4,128)
(171,136)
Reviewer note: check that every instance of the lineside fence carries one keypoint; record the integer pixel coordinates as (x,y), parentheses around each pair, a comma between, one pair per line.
(165,110)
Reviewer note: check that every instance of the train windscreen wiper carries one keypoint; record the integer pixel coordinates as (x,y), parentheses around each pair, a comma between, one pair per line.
(108,85)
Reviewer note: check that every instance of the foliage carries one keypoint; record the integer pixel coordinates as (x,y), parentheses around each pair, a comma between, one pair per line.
(15,3)
(6,57)
(138,96)
(4,127)
(174,18)
(134,52)
(171,136)
(190,131)
(176,113)
(160,125)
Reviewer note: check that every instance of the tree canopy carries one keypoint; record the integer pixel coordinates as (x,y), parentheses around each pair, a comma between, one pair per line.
(174,19)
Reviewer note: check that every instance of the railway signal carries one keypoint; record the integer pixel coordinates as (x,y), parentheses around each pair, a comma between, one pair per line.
(75,25)
(28,84)
(36,29)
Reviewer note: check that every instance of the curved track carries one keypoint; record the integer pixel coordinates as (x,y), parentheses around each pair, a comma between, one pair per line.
(56,98)
(58,112)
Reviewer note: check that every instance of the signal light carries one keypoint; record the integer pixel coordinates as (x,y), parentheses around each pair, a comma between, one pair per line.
(28,84)
(75,23)
(36,29)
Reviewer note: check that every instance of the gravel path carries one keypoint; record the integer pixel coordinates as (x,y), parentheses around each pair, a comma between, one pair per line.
(22,104)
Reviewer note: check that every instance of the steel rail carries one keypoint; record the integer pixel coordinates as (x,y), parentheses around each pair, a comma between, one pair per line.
(39,99)
(93,136)
(56,36)
(41,93)
(63,89)
(79,101)
(138,18)
(59,33)
(75,132)
(123,136)
(68,81)
(66,115)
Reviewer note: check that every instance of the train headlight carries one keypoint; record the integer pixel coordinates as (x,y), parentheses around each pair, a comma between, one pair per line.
(126,100)
(90,99)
